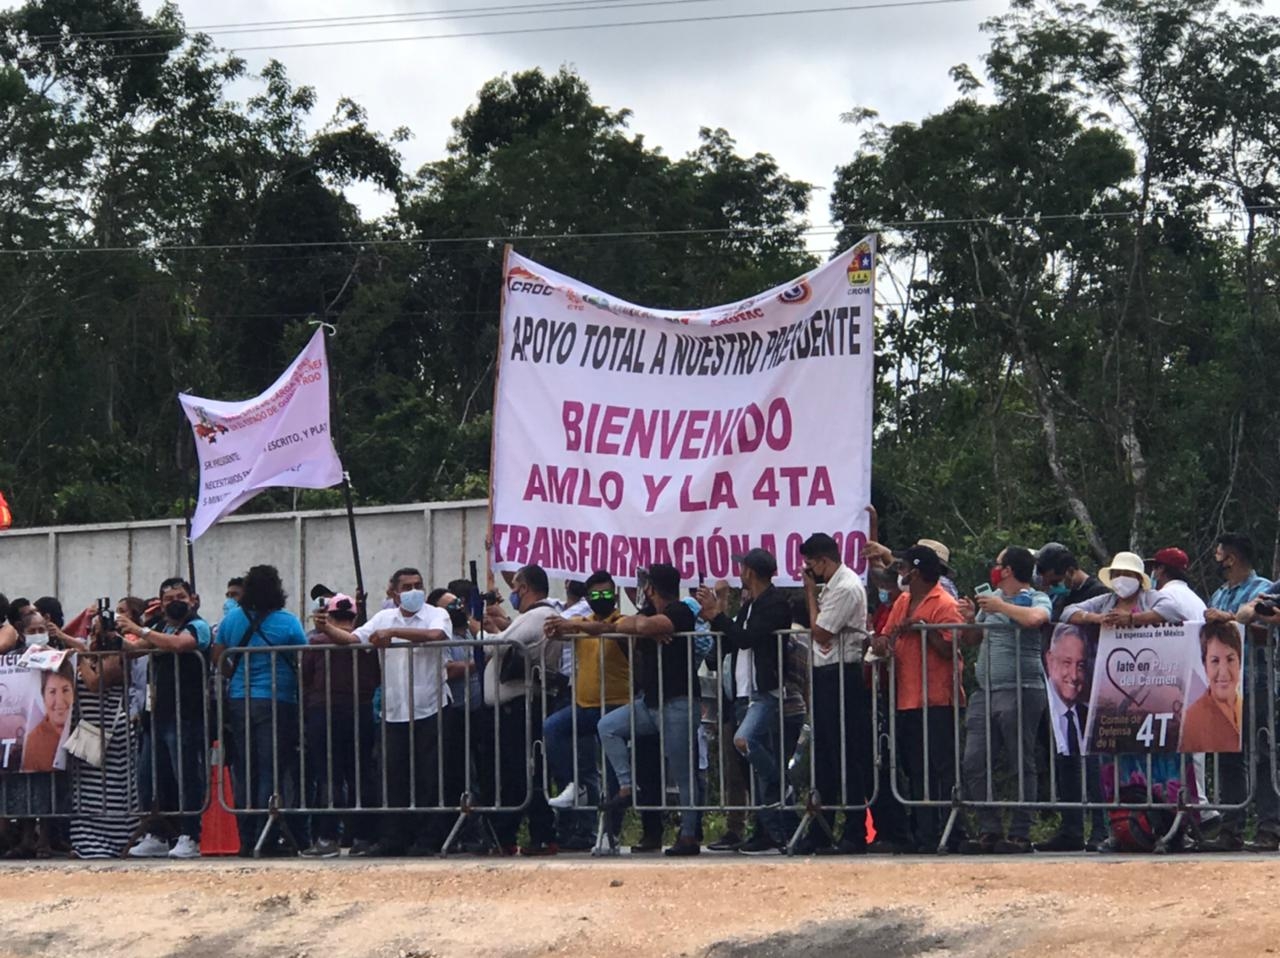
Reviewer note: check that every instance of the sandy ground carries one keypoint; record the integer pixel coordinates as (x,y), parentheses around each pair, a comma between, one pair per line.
(711,907)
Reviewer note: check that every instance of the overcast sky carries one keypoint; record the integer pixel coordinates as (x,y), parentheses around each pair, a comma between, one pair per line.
(777,84)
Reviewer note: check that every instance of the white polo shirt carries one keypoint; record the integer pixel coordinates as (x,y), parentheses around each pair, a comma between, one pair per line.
(842,611)
(430,682)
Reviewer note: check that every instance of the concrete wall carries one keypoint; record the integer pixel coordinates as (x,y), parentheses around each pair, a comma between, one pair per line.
(80,563)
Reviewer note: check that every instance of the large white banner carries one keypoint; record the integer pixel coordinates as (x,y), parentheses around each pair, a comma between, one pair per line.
(625,435)
(280,438)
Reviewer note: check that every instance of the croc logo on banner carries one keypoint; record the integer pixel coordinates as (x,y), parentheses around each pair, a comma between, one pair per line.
(861,265)
(521,280)
(797,295)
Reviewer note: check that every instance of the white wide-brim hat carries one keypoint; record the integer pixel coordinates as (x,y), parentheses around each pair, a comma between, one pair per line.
(1125,562)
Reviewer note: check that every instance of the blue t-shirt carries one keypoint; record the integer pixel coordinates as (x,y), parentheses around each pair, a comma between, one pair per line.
(279,629)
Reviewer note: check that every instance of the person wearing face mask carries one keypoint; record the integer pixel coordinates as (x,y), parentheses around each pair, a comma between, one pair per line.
(925,671)
(1234,601)
(667,672)
(1010,691)
(1062,579)
(1130,601)
(415,690)
(11,637)
(513,671)
(758,663)
(171,768)
(601,683)
(337,699)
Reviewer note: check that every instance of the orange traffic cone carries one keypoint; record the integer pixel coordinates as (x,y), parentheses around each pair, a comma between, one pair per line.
(219,834)
(871,828)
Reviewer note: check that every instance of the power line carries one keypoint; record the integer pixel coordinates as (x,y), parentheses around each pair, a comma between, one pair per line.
(377,19)
(567,27)
(869,226)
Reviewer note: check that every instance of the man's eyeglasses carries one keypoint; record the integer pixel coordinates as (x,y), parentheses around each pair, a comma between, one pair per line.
(601,595)
(455,606)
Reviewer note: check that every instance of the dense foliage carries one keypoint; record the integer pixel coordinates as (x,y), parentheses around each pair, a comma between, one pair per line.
(1078,323)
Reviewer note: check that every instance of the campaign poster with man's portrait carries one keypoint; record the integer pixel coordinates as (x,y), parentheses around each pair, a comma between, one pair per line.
(1068,660)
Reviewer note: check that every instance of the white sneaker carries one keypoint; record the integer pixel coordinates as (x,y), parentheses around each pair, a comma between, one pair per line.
(569,797)
(149,847)
(185,847)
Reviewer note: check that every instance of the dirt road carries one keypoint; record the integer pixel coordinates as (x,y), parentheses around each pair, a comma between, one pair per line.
(713,907)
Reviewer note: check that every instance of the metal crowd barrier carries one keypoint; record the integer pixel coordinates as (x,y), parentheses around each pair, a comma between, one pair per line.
(294,757)
(1090,767)
(121,714)
(292,789)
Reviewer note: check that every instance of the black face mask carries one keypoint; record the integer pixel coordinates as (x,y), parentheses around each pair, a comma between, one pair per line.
(603,608)
(177,611)
(458,617)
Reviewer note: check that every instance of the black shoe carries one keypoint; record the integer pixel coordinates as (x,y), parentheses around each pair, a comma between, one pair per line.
(377,850)
(619,803)
(539,849)
(683,848)
(983,845)
(1013,846)
(423,849)
(1094,845)
(728,842)
(882,846)
(578,843)
(647,846)
(1263,842)
(760,845)
(842,847)
(1060,843)
(1225,842)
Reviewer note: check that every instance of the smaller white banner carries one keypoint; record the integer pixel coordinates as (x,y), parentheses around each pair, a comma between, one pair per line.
(280,438)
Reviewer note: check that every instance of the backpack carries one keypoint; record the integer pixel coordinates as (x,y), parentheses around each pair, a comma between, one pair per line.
(1138,829)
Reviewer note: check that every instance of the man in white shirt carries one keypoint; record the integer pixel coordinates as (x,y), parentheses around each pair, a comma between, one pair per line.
(1168,569)
(838,630)
(414,690)
(514,670)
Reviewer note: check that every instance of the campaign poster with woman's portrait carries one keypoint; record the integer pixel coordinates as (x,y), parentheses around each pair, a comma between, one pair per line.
(1167,689)
(36,707)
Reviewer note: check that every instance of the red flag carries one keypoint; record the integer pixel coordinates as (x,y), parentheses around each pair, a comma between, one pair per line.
(6,514)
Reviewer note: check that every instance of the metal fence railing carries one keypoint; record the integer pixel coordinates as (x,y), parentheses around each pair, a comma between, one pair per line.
(422,746)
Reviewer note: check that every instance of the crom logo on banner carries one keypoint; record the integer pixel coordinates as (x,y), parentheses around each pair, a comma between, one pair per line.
(861,265)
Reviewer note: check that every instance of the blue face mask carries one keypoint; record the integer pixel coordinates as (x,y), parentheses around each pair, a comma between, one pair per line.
(1058,590)
(883,596)
(515,601)
(412,601)
(228,605)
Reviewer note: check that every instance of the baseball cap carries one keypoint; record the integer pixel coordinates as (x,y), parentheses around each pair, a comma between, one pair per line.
(1171,558)
(760,562)
(341,604)
(923,558)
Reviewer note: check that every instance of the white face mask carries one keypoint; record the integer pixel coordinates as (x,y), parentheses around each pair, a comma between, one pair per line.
(36,638)
(1125,587)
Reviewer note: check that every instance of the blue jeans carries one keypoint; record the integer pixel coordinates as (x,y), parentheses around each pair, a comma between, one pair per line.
(264,748)
(179,781)
(678,741)
(557,738)
(760,731)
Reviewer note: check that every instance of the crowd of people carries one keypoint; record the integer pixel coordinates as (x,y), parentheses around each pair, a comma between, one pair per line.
(423,725)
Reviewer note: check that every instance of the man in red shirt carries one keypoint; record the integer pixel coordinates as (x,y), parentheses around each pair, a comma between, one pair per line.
(926,685)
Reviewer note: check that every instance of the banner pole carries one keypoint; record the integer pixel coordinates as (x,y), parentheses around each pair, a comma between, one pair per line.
(193,481)
(334,415)
(493,432)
